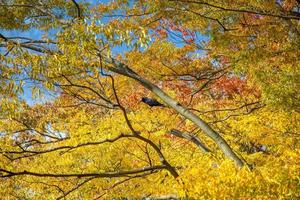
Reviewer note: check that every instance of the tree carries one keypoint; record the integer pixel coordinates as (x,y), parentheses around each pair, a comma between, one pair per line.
(216,66)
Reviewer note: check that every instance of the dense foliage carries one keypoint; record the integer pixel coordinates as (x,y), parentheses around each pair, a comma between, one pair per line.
(73,126)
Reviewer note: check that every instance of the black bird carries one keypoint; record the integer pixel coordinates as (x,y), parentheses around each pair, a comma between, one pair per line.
(151,102)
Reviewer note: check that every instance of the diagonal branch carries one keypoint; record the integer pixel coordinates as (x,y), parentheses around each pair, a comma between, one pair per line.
(75,188)
(191,138)
(136,133)
(123,69)
(84,87)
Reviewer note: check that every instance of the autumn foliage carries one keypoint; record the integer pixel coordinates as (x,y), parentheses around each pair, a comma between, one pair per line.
(73,73)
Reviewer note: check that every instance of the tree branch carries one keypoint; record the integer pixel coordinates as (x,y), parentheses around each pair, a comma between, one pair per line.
(29,153)
(124,70)
(239,10)
(7,173)
(192,138)
(78,9)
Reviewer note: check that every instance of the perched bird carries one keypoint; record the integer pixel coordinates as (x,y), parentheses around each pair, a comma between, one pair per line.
(151,102)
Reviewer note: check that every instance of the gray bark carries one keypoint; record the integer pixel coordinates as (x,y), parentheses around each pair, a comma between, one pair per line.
(124,70)
(191,138)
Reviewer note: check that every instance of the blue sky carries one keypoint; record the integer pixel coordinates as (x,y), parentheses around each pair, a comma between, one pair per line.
(37,34)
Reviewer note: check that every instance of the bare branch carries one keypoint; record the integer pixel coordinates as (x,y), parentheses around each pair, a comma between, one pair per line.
(7,173)
(78,9)
(84,87)
(191,138)
(259,12)
(123,69)
(121,182)
(136,133)
(76,187)
(29,153)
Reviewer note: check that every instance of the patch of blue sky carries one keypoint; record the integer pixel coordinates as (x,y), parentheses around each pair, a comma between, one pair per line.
(95,2)
(27,95)
(32,33)
(120,49)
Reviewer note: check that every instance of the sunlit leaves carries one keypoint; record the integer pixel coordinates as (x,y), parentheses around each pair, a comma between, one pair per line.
(242,77)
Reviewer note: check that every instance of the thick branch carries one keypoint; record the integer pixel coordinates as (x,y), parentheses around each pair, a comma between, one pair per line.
(122,69)
(136,133)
